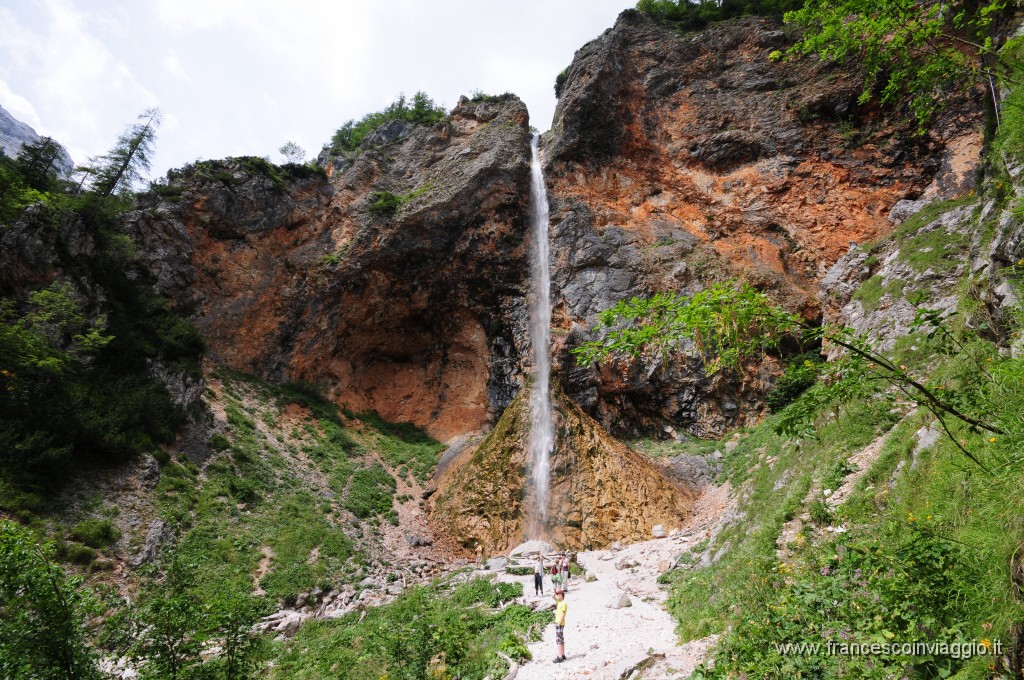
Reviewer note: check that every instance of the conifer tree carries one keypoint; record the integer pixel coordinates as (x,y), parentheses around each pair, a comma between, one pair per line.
(122,167)
(37,162)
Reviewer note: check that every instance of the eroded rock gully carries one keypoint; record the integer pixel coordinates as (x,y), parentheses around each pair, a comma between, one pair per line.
(601,491)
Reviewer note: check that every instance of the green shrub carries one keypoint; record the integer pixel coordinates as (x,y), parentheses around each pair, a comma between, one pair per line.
(425,633)
(43,621)
(838,595)
(560,81)
(77,553)
(800,374)
(384,203)
(244,490)
(484,591)
(421,111)
(23,501)
(695,14)
(96,533)
(820,513)
(519,571)
(478,96)
(219,442)
(371,491)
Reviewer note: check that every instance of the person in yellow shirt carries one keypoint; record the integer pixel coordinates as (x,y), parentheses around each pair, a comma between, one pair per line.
(560,610)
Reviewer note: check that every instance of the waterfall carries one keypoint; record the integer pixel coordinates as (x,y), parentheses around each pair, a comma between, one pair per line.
(542,435)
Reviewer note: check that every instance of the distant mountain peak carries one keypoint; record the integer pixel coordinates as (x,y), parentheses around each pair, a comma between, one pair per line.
(14,134)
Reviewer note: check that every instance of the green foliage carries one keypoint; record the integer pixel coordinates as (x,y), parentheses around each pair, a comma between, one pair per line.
(819,512)
(837,594)
(16,193)
(728,324)
(234,170)
(76,553)
(1010,136)
(42,613)
(560,80)
(370,492)
(425,633)
(694,14)
(384,203)
(421,111)
(403,444)
(76,376)
(872,291)
(484,591)
(96,533)
(122,167)
(60,367)
(37,163)
(913,53)
(926,551)
(167,627)
(801,374)
(479,96)
(76,384)
(282,514)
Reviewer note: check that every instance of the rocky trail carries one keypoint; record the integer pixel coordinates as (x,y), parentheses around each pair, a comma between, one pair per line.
(617,626)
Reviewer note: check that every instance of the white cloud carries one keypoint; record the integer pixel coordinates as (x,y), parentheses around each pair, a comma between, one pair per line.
(20,108)
(244,76)
(173,66)
(82,91)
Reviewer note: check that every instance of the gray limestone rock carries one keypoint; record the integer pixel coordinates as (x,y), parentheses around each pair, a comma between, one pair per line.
(14,134)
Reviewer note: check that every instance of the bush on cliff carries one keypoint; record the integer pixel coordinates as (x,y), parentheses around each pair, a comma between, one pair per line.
(913,54)
(693,14)
(420,111)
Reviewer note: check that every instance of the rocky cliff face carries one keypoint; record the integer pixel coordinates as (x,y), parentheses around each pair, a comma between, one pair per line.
(676,159)
(415,312)
(398,281)
(601,491)
(950,256)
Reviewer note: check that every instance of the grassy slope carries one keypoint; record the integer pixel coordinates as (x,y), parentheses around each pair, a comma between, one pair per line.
(294,498)
(923,554)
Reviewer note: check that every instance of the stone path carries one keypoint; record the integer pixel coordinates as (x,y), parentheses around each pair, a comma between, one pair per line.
(604,641)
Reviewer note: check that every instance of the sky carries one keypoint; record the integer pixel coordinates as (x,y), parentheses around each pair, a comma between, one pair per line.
(242,77)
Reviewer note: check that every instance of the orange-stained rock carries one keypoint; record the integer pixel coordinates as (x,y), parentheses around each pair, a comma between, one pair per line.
(677,159)
(601,490)
(416,315)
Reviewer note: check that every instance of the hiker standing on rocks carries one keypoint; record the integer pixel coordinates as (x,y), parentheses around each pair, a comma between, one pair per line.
(565,570)
(538,576)
(560,610)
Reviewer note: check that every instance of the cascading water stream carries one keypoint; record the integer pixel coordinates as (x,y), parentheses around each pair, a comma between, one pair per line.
(542,435)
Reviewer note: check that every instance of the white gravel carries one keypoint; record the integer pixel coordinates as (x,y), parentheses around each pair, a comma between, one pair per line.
(604,643)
